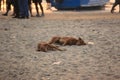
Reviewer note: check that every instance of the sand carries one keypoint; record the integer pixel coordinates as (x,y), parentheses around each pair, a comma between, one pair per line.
(98,60)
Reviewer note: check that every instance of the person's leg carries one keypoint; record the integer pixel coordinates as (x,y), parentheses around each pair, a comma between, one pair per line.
(41,7)
(119,7)
(21,8)
(7,9)
(23,5)
(26,11)
(30,7)
(37,9)
(16,7)
(13,14)
(0,4)
(114,5)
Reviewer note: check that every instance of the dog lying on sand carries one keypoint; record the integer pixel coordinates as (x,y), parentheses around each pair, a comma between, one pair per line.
(67,41)
(43,46)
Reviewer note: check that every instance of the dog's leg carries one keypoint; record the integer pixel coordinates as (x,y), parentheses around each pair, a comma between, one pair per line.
(64,43)
(56,48)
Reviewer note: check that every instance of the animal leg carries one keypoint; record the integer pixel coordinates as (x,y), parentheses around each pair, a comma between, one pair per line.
(64,43)
(56,48)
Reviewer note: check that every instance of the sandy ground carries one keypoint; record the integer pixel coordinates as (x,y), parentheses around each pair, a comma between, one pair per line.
(98,60)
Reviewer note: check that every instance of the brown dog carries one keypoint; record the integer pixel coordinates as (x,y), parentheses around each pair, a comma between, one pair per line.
(43,46)
(67,41)
(55,40)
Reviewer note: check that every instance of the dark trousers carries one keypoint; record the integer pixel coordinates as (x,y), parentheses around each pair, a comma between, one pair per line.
(23,6)
(16,7)
(0,4)
(48,1)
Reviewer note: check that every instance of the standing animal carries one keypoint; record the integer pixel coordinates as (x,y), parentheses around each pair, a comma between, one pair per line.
(67,41)
(117,2)
(43,46)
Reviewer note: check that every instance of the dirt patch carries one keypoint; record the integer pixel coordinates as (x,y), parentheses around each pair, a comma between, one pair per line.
(98,60)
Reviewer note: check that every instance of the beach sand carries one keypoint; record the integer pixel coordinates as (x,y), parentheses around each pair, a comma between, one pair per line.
(98,60)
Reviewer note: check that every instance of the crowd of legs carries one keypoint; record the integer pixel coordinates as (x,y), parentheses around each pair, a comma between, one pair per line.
(23,9)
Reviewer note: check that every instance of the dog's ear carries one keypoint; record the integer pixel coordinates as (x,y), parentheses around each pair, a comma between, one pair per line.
(81,41)
(79,38)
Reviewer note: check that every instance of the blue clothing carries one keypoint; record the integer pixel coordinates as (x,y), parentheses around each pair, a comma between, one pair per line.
(23,6)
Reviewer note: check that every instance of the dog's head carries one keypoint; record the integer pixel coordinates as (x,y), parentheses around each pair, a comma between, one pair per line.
(80,42)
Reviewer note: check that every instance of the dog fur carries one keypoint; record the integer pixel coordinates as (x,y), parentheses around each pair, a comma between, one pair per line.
(43,46)
(67,41)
